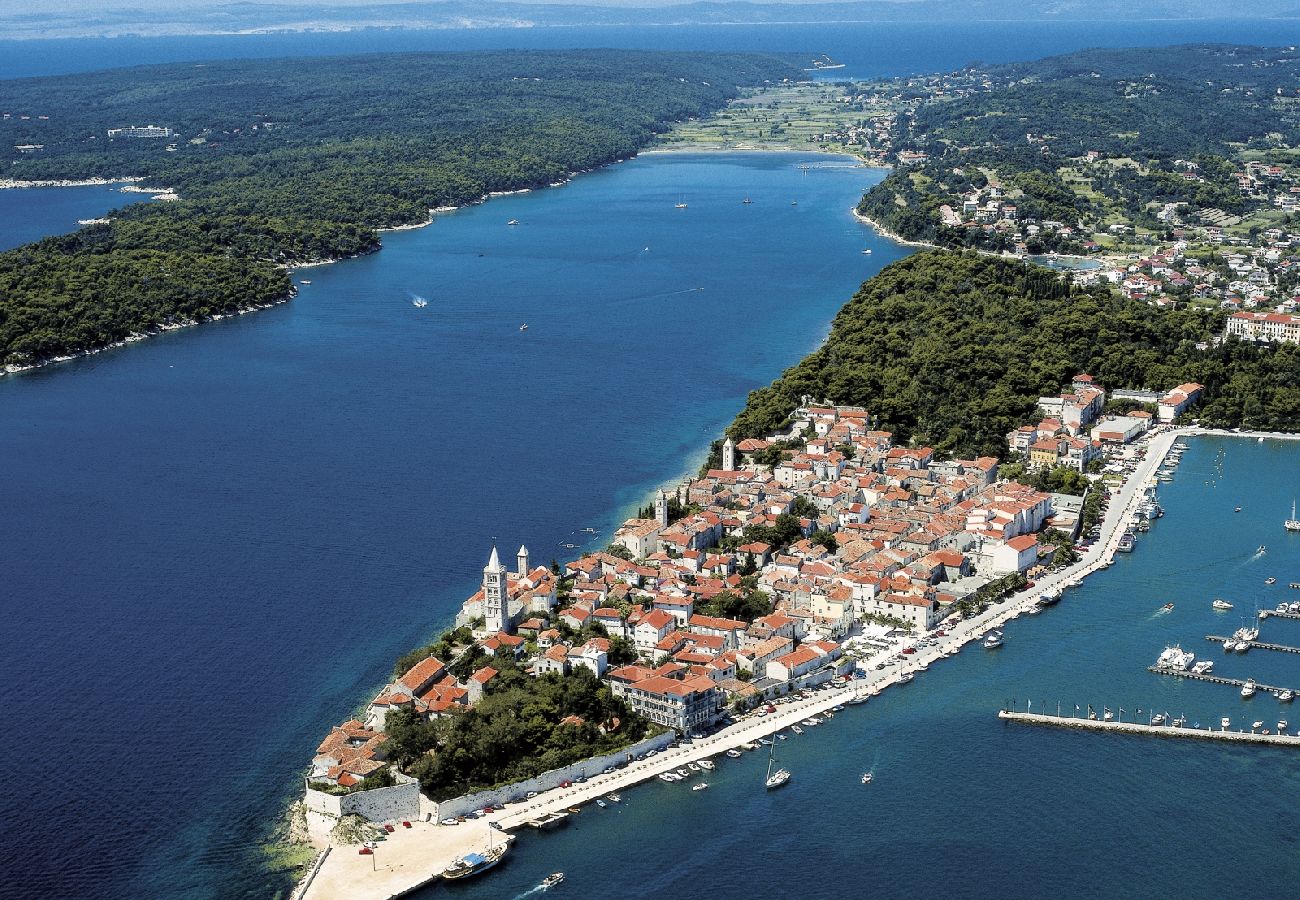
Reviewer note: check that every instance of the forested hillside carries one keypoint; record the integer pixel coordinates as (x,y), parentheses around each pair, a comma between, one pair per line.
(1147,108)
(283,161)
(952,350)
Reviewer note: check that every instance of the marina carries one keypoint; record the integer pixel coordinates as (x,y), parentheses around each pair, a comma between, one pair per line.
(1261,645)
(1217,679)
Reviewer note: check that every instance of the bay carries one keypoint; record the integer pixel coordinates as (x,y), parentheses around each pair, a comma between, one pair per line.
(29,214)
(228,533)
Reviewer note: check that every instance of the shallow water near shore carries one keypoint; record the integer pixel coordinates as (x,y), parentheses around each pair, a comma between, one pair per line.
(222,537)
(963,805)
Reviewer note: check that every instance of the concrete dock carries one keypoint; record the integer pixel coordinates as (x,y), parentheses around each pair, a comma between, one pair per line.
(1260,645)
(1166,731)
(1216,679)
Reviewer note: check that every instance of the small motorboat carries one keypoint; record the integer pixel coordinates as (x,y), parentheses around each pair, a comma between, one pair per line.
(613,798)
(1255,726)
(523,327)
(1237,509)
(733,754)
(552,880)
(601,803)
(513,222)
(1281,726)
(1248,689)
(1167,607)
(1224,723)
(1286,695)
(866,778)
(707,765)
(796,729)
(304,281)
(419,303)
(1270,580)
(703,785)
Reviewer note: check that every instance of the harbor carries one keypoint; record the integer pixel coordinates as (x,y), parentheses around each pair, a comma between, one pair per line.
(1217,679)
(1254,645)
(429,847)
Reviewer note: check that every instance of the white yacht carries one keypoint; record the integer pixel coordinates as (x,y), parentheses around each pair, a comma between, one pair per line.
(1286,695)
(866,778)
(703,785)
(1224,723)
(1220,603)
(1248,689)
(1176,657)
(993,640)
(779,777)
(1204,667)
(707,765)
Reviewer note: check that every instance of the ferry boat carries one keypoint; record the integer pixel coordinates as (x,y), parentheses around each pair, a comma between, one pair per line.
(1248,689)
(779,777)
(474,863)
(1220,603)
(993,640)
(1126,542)
(1291,524)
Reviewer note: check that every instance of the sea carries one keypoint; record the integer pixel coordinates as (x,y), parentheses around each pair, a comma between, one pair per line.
(219,540)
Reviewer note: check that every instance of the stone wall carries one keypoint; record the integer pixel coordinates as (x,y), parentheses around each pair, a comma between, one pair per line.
(401,801)
(459,806)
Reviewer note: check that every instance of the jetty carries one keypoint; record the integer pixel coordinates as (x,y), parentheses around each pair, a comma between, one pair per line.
(1262,645)
(1166,731)
(1267,613)
(1215,679)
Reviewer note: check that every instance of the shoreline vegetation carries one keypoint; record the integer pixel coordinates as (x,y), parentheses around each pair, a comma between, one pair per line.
(281,163)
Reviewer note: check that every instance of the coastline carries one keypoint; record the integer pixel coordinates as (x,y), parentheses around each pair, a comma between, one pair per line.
(433,846)
(15,184)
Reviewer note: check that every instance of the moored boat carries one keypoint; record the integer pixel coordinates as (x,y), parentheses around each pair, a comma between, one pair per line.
(1248,689)
(474,863)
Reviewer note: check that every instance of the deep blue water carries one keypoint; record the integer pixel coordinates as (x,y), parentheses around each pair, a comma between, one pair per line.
(33,213)
(965,806)
(219,539)
(867,50)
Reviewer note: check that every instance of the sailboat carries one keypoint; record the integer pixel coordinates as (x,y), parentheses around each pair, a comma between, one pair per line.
(1293,523)
(780,776)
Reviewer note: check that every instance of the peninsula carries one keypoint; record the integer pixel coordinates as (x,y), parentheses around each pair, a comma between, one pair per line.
(281,163)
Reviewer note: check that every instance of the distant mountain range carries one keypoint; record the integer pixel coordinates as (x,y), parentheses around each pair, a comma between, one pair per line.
(157,18)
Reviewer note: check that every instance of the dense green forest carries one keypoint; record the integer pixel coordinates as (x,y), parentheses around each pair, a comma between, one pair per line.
(1152,105)
(284,161)
(514,732)
(952,350)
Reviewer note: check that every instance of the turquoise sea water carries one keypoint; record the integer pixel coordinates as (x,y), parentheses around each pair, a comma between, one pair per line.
(228,533)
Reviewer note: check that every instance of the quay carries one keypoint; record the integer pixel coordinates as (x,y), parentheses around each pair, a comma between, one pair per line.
(1214,679)
(1204,734)
(1262,645)
(1265,613)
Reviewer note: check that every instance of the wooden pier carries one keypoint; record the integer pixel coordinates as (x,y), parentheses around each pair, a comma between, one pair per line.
(1261,645)
(1169,731)
(1215,679)
(1267,613)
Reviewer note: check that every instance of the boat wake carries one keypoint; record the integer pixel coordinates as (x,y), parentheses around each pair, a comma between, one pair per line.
(538,889)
